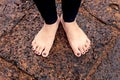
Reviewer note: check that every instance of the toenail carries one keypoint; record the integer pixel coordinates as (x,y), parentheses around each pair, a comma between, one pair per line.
(36,52)
(85,45)
(78,54)
(44,53)
(86,51)
(83,52)
(39,53)
(89,47)
(33,49)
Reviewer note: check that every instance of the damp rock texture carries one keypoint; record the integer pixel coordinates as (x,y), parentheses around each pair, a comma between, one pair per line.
(11,13)
(10,72)
(106,11)
(110,66)
(20,21)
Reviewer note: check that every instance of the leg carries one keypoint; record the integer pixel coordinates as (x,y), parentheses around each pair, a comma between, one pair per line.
(76,37)
(43,41)
(70,9)
(47,9)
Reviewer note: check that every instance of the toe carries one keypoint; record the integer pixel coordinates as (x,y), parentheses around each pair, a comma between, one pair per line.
(84,49)
(81,50)
(40,50)
(88,43)
(33,42)
(45,52)
(37,49)
(77,52)
(34,47)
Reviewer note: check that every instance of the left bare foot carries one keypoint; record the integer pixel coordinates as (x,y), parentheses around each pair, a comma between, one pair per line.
(78,40)
(43,41)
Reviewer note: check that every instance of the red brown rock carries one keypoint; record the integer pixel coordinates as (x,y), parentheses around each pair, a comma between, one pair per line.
(61,64)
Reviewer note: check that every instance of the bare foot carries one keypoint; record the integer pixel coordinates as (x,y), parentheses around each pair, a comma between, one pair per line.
(43,41)
(77,38)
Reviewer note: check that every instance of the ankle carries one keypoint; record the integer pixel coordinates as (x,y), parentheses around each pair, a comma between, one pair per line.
(65,22)
(56,22)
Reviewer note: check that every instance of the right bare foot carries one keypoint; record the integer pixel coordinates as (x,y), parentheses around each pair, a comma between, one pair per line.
(43,41)
(78,40)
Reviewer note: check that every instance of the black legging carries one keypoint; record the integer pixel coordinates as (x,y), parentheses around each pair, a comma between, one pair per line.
(47,9)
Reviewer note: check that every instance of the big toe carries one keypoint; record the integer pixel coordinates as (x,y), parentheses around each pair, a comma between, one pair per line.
(45,52)
(77,52)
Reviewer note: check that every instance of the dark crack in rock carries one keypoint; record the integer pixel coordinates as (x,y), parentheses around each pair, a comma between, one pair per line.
(106,11)
(11,13)
(109,69)
(10,72)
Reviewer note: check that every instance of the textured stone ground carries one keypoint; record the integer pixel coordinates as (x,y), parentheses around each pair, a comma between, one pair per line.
(19,23)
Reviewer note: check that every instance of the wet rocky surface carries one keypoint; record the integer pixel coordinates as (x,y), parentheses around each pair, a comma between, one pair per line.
(11,13)
(110,66)
(10,72)
(106,11)
(61,64)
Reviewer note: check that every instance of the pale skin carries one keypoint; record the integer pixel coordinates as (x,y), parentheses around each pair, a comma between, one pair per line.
(44,40)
